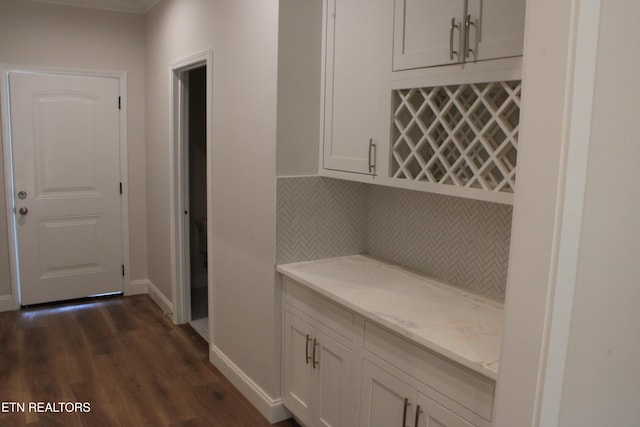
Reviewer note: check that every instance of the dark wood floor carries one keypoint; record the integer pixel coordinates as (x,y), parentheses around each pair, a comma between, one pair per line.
(124,357)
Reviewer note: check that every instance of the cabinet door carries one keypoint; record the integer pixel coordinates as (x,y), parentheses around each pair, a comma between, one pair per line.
(383,398)
(432,414)
(353,81)
(496,28)
(423,36)
(334,369)
(298,382)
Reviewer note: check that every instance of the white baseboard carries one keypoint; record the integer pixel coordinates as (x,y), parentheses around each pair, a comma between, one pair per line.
(7,303)
(272,409)
(137,287)
(159,298)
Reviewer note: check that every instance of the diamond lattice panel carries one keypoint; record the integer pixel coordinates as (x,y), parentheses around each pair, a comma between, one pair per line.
(463,135)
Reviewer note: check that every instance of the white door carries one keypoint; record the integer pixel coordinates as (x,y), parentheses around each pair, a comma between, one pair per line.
(65,145)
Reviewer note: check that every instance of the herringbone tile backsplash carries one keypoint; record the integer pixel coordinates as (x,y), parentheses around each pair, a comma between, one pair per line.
(319,218)
(462,241)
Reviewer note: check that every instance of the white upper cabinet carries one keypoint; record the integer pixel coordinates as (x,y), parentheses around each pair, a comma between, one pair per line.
(423,94)
(353,81)
(429,33)
(496,29)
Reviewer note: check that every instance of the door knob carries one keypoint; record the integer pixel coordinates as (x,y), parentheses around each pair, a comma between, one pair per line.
(23,211)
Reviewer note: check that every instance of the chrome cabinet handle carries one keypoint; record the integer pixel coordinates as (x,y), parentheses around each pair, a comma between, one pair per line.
(418,410)
(306,350)
(315,345)
(23,211)
(404,412)
(467,24)
(452,27)
(372,156)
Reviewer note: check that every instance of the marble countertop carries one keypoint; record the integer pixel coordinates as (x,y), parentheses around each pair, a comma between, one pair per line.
(459,325)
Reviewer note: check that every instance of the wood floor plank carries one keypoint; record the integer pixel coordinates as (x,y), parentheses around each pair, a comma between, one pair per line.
(101,412)
(125,358)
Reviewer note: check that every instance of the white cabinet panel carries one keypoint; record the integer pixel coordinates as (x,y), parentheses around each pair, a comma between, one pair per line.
(430,33)
(298,371)
(432,414)
(423,34)
(471,391)
(386,400)
(353,82)
(497,30)
(324,311)
(334,367)
(316,375)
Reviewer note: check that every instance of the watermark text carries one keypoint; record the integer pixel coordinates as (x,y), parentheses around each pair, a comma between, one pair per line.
(40,407)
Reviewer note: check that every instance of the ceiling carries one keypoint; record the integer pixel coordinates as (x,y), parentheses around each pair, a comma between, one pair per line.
(128,6)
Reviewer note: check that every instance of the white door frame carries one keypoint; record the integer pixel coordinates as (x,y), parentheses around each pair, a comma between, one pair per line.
(5,70)
(179,194)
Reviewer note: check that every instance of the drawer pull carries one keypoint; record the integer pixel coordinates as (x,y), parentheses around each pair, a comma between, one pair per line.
(306,350)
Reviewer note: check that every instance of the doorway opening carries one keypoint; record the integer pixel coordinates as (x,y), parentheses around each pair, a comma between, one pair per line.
(196,90)
(191,194)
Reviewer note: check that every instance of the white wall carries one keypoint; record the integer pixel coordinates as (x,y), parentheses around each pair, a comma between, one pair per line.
(243,35)
(545,69)
(299,69)
(570,351)
(602,378)
(38,34)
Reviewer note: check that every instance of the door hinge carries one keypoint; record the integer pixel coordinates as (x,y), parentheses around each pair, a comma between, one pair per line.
(119,103)
(120,188)
(122,270)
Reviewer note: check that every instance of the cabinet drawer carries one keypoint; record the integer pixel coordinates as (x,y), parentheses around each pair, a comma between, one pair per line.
(319,308)
(469,389)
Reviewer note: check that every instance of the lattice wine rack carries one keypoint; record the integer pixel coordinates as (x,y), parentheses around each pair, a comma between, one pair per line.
(462,135)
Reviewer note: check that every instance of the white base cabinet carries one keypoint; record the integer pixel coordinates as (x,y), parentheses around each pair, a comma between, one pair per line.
(317,360)
(342,370)
(317,374)
(384,398)
(388,401)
